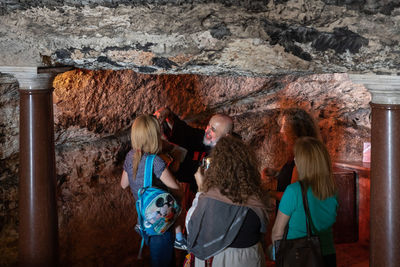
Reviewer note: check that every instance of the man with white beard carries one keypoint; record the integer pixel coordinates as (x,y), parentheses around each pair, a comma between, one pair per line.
(196,142)
(188,147)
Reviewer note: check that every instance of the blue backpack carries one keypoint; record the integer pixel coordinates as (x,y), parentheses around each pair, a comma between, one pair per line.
(156,208)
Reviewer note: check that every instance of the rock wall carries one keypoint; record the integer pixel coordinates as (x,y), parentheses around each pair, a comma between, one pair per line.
(9,130)
(204,37)
(93,114)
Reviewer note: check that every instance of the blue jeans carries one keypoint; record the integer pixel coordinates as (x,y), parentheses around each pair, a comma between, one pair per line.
(162,253)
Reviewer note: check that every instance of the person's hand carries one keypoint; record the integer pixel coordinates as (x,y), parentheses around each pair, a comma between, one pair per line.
(275,194)
(162,114)
(164,117)
(199,176)
(267,173)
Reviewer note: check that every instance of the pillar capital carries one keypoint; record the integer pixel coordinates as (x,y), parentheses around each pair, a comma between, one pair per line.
(29,77)
(385,89)
(34,78)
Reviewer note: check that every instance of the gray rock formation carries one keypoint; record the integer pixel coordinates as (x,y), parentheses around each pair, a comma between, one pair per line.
(208,37)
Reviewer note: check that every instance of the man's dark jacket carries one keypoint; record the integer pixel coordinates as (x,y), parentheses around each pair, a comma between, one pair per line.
(192,140)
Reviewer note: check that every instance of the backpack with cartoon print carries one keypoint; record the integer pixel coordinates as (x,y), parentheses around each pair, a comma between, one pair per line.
(157,209)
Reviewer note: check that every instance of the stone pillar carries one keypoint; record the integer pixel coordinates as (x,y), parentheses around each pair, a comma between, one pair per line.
(385,168)
(38,225)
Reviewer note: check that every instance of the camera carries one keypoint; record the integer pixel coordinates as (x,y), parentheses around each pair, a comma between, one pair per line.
(205,163)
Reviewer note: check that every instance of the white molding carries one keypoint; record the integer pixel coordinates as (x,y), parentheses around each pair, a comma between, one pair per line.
(29,78)
(385,89)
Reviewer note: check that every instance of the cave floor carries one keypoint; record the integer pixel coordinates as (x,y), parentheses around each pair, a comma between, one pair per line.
(347,255)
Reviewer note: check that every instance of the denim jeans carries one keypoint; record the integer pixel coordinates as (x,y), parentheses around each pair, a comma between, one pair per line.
(162,253)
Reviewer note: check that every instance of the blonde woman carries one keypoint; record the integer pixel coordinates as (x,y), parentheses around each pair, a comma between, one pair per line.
(146,139)
(315,171)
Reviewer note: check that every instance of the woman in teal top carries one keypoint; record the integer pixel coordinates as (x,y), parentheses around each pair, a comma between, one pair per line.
(315,170)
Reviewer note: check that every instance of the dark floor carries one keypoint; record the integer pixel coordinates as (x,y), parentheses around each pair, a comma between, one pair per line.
(348,255)
(352,254)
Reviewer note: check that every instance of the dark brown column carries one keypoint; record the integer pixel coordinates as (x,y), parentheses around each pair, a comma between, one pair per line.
(38,226)
(385,185)
(385,168)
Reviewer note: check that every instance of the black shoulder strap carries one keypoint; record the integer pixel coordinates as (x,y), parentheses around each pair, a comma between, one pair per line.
(306,209)
(307,212)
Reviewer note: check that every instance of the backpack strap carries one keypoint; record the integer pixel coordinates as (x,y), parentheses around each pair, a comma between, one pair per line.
(148,170)
(148,177)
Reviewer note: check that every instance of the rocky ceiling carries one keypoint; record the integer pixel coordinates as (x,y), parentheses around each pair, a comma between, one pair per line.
(204,37)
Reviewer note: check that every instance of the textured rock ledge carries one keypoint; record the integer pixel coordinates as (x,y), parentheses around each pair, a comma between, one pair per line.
(212,38)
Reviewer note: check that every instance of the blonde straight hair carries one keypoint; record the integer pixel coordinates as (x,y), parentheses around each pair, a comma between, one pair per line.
(314,166)
(145,138)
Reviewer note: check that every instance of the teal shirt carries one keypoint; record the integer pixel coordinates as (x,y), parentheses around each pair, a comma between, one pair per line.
(323,214)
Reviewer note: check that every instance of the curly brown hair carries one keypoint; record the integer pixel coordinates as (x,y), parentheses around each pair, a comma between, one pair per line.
(233,170)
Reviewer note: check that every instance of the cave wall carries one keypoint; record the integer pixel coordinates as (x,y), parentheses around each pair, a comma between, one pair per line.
(93,114)
(9,130)
(248,59)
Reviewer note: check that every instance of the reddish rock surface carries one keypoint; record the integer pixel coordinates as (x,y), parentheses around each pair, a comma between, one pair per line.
(93,114)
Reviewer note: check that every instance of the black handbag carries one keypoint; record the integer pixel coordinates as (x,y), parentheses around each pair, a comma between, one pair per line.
(299,252)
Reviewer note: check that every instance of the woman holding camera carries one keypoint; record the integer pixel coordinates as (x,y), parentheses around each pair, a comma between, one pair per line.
(228,217)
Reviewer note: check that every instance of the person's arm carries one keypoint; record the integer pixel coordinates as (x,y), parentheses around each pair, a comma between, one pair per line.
(127,166)
(266,175)
(279,226)
(191,210)
(169,180)
(269,173)
(124,180)
(199,180)
(186,136)
(199,176)
(179,132)
(164,114)
(275,194)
